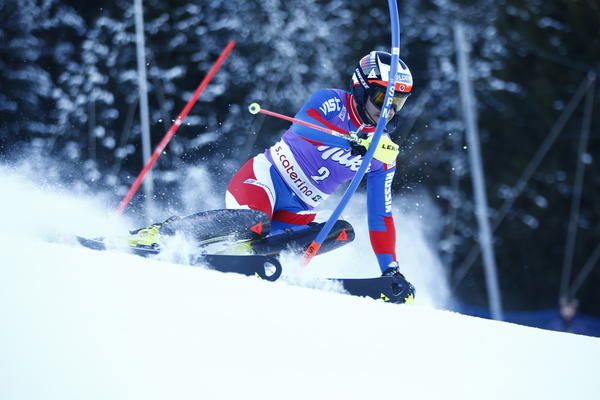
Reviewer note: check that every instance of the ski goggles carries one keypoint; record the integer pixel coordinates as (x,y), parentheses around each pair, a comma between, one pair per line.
(378,96)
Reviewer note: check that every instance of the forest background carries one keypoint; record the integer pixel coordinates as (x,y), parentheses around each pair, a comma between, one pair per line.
(68,92)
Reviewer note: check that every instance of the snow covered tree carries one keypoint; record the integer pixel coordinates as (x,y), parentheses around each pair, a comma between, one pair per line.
(283,53)
(35,37)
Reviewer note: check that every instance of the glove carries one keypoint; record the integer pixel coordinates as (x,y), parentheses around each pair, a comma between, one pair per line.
(357,149)
(386,151)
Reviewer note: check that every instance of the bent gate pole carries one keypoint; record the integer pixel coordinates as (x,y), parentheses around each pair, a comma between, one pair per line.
(163,143)
(313,248)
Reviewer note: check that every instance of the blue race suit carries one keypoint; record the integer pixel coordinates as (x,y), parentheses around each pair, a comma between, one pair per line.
(307,165)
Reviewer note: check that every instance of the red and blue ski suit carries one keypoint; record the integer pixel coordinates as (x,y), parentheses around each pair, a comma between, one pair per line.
(292,177)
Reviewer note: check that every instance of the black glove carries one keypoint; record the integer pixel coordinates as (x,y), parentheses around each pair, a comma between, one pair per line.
(359,149)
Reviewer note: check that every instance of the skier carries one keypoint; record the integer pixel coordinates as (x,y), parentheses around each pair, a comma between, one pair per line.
(283,185)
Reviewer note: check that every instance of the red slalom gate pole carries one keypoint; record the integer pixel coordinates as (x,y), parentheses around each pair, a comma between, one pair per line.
(165,140)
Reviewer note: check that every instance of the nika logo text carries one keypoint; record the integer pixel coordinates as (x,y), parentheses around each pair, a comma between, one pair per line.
(341,156)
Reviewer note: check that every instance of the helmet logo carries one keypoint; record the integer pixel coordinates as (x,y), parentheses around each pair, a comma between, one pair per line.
(358,74)
(384,69)
(372,74)
(406,78)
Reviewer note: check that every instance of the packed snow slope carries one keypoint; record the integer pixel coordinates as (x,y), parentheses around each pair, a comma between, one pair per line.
(80,324)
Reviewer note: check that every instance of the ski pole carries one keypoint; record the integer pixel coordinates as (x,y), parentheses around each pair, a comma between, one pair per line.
(255,108)
(313,248)
(388,155)
(165,140)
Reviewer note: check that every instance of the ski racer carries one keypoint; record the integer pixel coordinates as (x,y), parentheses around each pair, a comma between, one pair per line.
(284,184)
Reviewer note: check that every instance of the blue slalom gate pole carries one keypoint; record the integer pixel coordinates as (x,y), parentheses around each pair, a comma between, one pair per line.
(313,248)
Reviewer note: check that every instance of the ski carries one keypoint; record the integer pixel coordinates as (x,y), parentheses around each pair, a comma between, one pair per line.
(263,266)
(387,288)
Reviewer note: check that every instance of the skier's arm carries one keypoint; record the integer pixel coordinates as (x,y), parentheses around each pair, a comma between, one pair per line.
(381,222)
(320,109)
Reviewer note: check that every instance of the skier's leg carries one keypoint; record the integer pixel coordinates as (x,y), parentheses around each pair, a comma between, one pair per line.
(204,226)
(252,187)
(298,238)
(249,199)
(292,226)
(212,224)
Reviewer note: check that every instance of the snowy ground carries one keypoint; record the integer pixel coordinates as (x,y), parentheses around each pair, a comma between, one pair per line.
(79,324)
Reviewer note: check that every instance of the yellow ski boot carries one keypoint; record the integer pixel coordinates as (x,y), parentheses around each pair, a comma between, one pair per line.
(146,238)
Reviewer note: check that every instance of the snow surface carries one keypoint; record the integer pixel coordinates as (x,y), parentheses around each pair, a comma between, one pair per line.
(80,324)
